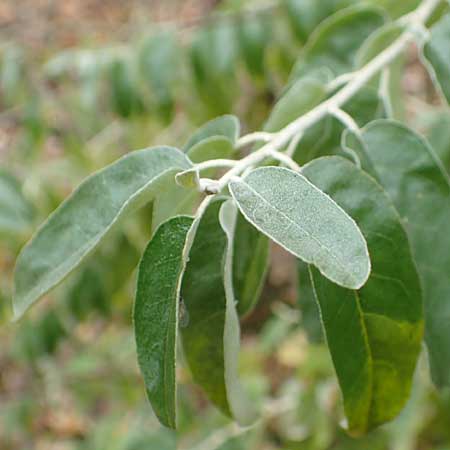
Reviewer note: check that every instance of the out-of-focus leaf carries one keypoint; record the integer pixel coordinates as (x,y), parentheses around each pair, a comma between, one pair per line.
(409,170)
(155,314)
(207,343)
(16,213)
(336,40)
(82,221)
(250,264)
(290,210)
(125,97)
(159,62)
(213,57)
(253,38)
(374,334)
(437,53)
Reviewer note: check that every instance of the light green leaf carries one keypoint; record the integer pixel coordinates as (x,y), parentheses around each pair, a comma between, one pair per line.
(204,297)
(336,40)
(301,97)
(215,139)
(286,207)
(226,126)
(159,64)
(83,220)
(374,334)
(411,173)
(378,41)
(16,212)
(250,264)
(437,53)
(438,134)
(243,411)
(155,314)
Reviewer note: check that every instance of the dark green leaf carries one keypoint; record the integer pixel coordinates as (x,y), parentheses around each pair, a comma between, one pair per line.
(411,173)
(286,207)
(155,314)
(250,264)
(374,334)
(211,338)
(83,220)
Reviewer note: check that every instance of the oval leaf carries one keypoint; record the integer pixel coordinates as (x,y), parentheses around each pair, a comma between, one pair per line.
(285,206)
(411,173)
(81,221)
(374,334)
(155,314)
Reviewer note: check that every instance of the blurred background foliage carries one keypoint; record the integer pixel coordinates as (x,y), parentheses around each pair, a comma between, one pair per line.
(83,82)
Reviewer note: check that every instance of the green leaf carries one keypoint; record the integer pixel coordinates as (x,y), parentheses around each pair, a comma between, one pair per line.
(336,40)
(250,264)
(437,53)
(215,139)
(374,334)
(301,97)
(226,126)
(306,300)
(378,41)
(253,38)
(411,173)
(211,339)
(16,213)
(438,134)
(155,314)
(159,64)
(286,207)
(80,223)
(243,411)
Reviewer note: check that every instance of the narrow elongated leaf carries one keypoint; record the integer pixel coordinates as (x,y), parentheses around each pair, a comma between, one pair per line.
(82,221)
(250,264)
(286,207)
(243,411)
(438,133)
(211,339)
(336,40)
(437,53)
(409,170)
(16,212)
(310,314)
(204,297)
(374,334)
(155,314)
